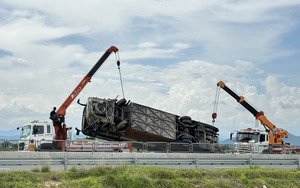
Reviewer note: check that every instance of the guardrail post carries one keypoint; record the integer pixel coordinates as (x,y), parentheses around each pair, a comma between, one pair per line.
(145,147)
(250,162)
(191,148)
(65,163)
(94,146)
(196,163)
(298,162)
(168,147)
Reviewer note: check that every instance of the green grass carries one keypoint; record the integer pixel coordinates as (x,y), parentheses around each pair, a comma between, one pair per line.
(150,177)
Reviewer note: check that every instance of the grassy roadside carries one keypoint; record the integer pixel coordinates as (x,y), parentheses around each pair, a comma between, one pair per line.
(144,177)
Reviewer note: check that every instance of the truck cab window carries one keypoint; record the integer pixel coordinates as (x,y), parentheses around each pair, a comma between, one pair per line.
(25,131)
(48,129)
(262,138)
(38,129)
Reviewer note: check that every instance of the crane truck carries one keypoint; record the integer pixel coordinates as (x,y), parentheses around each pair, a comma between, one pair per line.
(122,120)
(251,140)
(46,136)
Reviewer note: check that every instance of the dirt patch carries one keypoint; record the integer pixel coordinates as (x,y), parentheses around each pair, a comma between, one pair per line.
(52,184)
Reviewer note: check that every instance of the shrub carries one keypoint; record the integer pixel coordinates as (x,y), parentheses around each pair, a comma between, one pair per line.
(45,169)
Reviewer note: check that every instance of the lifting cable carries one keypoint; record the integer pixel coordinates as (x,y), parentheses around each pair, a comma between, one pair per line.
(119,68)
(217,96)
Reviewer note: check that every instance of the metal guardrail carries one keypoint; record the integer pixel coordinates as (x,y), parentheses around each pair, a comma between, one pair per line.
(192,162)
(140,147)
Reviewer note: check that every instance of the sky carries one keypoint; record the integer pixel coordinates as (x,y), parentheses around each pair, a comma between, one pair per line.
(172,56)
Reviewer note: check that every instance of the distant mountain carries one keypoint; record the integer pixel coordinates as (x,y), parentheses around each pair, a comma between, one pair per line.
(10,132)
(292,139)
(9,135)
(226,141)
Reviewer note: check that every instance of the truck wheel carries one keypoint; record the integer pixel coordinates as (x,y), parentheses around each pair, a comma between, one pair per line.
(100,109)
(121,102)
(187,139)
(121,125)
(186,120)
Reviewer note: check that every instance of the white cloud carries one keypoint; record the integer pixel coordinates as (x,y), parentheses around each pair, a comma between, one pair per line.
(153,50)
(226,31)
(284,102)
(186,88)
(9,62)
(180,54)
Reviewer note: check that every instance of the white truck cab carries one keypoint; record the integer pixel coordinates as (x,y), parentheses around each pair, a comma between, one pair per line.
(251,141)
(36,132)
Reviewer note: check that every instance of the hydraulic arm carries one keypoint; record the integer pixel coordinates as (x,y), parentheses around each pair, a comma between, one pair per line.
(62,109)
(59,120)
(275,134)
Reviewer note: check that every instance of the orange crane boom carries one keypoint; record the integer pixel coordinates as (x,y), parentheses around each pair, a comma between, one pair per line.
(275,134)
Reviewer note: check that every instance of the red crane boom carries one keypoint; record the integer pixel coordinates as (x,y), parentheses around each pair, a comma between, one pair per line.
(59,119)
